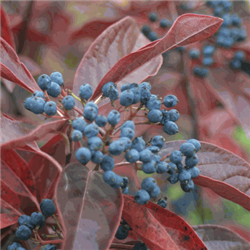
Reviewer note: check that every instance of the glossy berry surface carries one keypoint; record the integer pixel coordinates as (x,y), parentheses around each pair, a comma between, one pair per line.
(196,143)
(170,101)
(170,128)
(47,207)
(155,116)
(85,91)
(142,196)
(148,184)
(188,187)
(25,220)
(127,132)
(126,98)
(106,88)
(83,155)
(194,172)
(146,155)
(132,156)
(158,141)
(154,149)
(23,232)
(191,161)
(162,167)
(173,115)
(37,219)
(44,81)
(37,105)
(176,156)
(149,167)
(110,177)
(68,102)
(128,124)
(50,108)
(184,177)
(153,103)
(57,78)
(164,23)
(187,149)
(90,113)
(95,143)
(97,156)
(54,89)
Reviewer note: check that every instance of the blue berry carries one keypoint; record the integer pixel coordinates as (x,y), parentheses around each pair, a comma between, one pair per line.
(162,202)
(146,30)
(173,178)
(93,105)
(114,117)
(162,167)
(172,168)
(68,102)
(173,115)
(148,184)
(127,142)
(191,161)
(122,232)
(149,167)
(95,143)
(91,130)
(97,156)
(165,116)
(170,101)
(156,158)
(145,95)
(196,143)
(90,113)
(38,94)
(139,144)
(76,135)
(154,149)
(208,50)
(140,246)
(47,207)
(101,120)
(118,183)
(235,33)
(50,108)
(124,182)
(57,78)
(127,132)
(128,124)
(85,91)
(125,87)
(28,102)
(83,155)
(146,85)
(37,219)
(194,172)
(20,248)
(142,196)
(146,155)
(155,116)
(37,105)
(137,95)
(242,35)
(225,32)
(125,190)
(227,5)
(25,220)
(108,163)
(116,148)
(23,232)
(176,156)
(132,156)
(164,23)
(236,20)
(180,167)
(44,81)
(155,192)
(14,245)
(187,149)
(153,17)
(79,124)
(240,55)
(235,64)
(50,247)
(106,88)
(152,36)
(194,53)
(158,141)
(170,128)
(188,187)
(200,72)
(54,89)
(207,61)
(126,98)
(227,20)
(184,177)
(110,177)
(153,103)
(113,94)
(218,11)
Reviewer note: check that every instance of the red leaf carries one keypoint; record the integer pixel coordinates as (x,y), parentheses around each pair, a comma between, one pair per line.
(148,228)
(16,134)
(114,43)
(219,237)
(20,167)
(220,170)
(14,70)
(86,202)
(181,232)
(188,28)
(6,32)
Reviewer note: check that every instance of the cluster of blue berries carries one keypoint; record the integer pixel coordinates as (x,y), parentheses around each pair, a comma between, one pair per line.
(237,60)
(175,169)
(35,221)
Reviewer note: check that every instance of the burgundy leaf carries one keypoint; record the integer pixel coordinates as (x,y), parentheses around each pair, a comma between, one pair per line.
(114,43)
(9,215)
(16,134)
(219,237)
(220,170)
(14,70)
(181,232)
(234,97)
(90,208)
(148,228)
(188,28)
(6,32)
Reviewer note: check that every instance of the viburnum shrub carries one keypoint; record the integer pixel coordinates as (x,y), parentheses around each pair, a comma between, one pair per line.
(88,196)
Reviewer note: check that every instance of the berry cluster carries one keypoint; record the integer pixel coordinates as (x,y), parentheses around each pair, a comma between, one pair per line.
(32,223)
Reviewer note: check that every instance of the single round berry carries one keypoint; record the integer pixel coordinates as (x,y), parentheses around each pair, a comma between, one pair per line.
(47,207)
(38,94)
(170,128)
(118,183)
(91,130)
(156,158)
(126,98)
(28,102)
(146,85)
(152,36)
(54,89)
(145,95)
(225,32)
(50,108)
(155,192)
(101,120)
(116,148)
(162,202)
(196,143)
(37,105)
(108,163)
(140,246)
(23,232)
(162,167)
(110,177)
(25,220)
(106,88)
(114,117)
(184,177)
(200,72)
(153,103)
(128,124)
(149,167)
(155,116)
(90,113)
(235,64)
(164,23)
(139,144)
(125,87)
(180,167)
(68,102)
(207,61)
(148,184)
(173,115)
(236,20)
(176,156)
(50,247)
(154,149)
(83,155)
(44,81)
(188,187)
(37,219)
(97,156)
(191,161)
(194,172)
(172,168)
(208,50)
(113,94)
(14,246)
(146,155)
(57,78)
(218,11)
(146,30)
(153,17)
(122,232)
(142,196)
(194,53)
(79,124)
(240,55)
(173,178)
(187,149)
(132,156)
(93,105)
(170,101)
(136,93)
(127,142)
(85,91)
(76,135)
(158,141)
(95,143)
(127,132)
